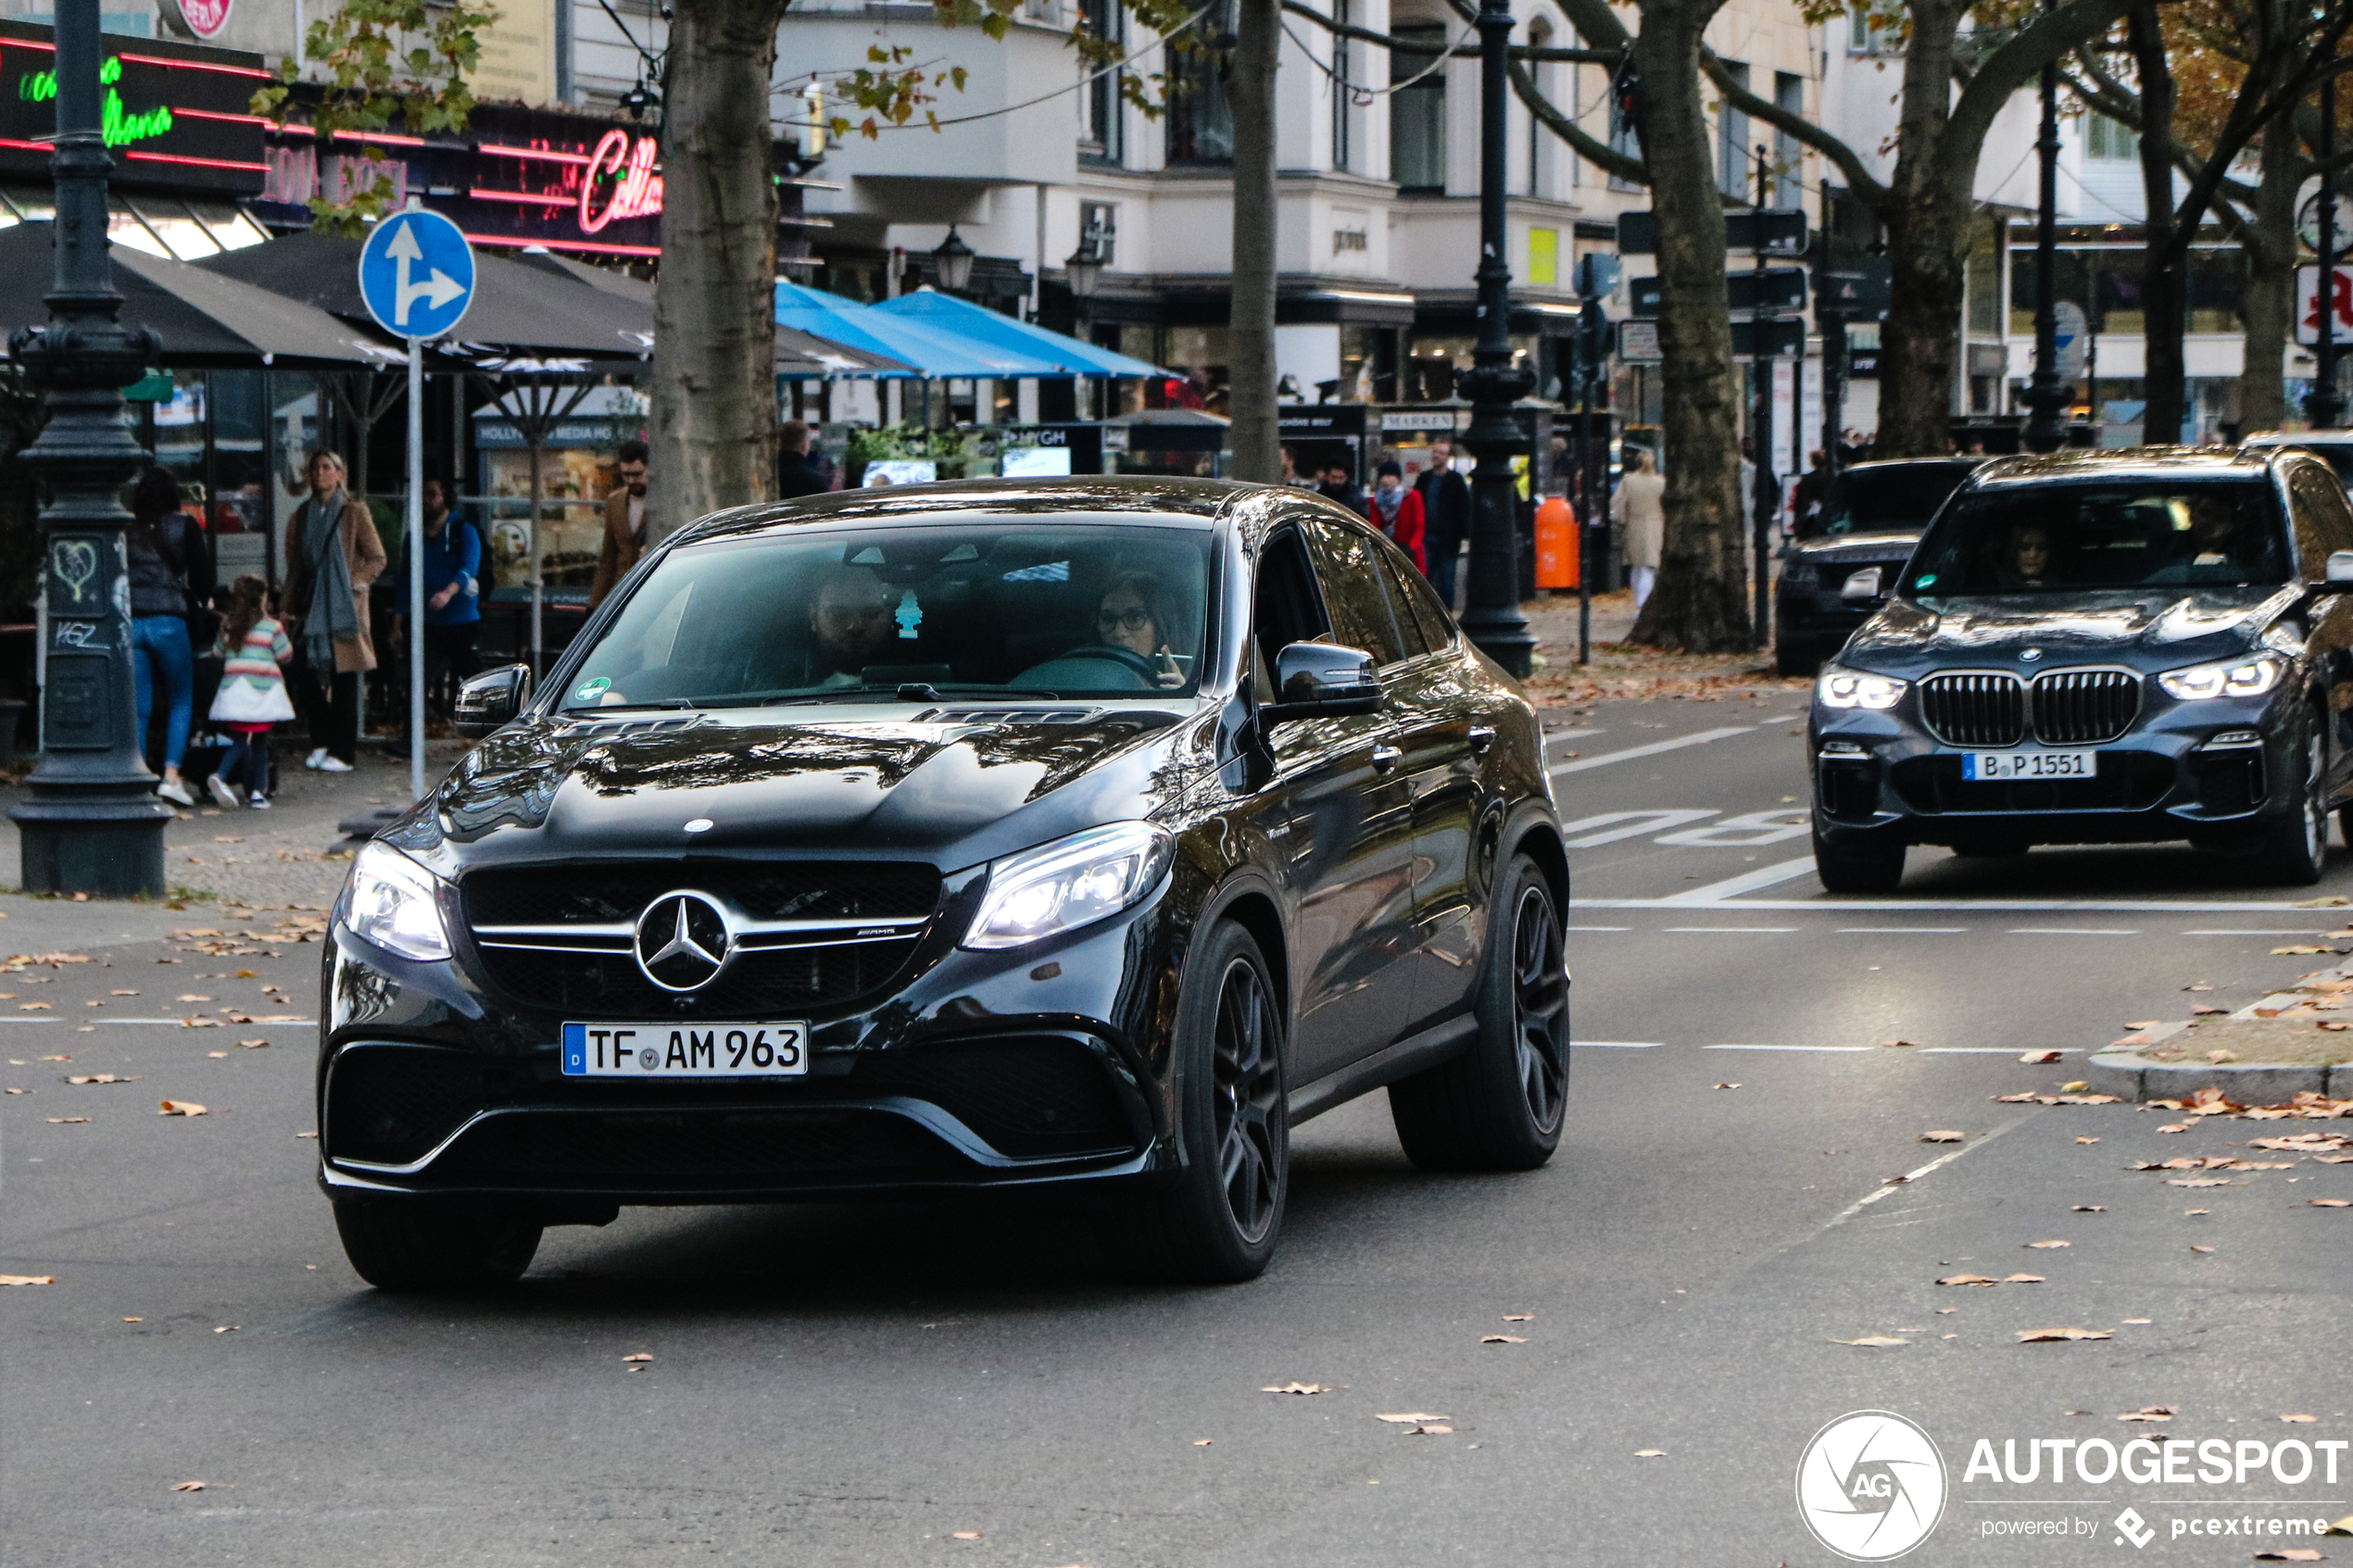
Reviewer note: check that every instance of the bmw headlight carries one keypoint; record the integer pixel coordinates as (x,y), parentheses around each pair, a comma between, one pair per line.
(1852,688)
(1059,886)
(2230,677)
(395,903)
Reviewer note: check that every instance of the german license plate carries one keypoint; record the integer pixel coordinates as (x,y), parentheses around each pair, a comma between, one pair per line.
(1995,765)
(684,1050)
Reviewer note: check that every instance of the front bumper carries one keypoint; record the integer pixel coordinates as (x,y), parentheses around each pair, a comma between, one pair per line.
(1037,1066)
(2204,770)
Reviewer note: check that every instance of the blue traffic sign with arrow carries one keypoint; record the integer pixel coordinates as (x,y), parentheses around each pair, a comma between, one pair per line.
(417,274)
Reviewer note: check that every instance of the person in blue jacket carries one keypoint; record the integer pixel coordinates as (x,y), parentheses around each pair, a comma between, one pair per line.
(453,594)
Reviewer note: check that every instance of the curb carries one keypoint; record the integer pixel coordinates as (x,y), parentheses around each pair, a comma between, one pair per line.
(2129,1075)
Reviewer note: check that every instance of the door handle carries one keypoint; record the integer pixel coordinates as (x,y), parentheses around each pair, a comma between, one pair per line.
(1481,736)
(1385,757)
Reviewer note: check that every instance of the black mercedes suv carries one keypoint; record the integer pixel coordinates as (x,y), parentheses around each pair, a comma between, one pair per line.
(1872,515)
(1078,835)
(2099,647)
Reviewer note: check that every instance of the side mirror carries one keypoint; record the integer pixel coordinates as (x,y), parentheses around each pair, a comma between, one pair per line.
(1862,586)
(2339,575)
(1321,680)
(492,698)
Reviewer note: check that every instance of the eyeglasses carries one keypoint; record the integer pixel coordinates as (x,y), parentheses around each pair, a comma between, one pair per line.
(1134,619)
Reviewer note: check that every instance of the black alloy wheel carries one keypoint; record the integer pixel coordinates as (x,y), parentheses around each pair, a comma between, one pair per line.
(2294,849)
(1218,1223)
(1501,1104)
(1876,865)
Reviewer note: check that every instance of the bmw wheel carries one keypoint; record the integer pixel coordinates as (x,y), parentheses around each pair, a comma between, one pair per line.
(2295,846)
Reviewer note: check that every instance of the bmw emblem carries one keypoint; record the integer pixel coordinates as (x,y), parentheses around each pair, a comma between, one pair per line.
(683,941)
(2030,655)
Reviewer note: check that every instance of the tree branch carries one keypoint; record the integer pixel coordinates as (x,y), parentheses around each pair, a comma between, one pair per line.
(2042,42)
(1467,52)
(1859,179)
(1600,153)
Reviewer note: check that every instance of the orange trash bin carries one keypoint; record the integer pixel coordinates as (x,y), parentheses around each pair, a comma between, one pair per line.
(1556,552)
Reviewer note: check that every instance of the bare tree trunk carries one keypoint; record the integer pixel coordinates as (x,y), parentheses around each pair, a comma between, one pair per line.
(2163,261)
(2270,282)
(714,400)
(1926,217)
(1699,602)
(1250,90)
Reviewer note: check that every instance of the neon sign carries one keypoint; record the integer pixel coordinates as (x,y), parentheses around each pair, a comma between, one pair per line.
(622,173)
(118,124)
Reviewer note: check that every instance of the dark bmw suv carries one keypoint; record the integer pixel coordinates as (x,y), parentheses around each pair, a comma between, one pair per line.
(1872,515)
(1049,836)
(2099,648)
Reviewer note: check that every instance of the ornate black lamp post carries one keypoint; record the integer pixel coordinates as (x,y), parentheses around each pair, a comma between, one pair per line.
(1494,384)
(2322,408)
(2046,399)
(92,824)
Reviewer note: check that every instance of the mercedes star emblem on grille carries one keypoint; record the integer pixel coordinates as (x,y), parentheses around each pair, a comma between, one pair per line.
(683,941)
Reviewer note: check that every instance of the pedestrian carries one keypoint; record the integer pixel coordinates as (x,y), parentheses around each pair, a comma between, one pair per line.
(332,554)
(1446,512)
(794,475)
(625,522)
(253,693)
(1340,487)
(171,574)
(1397,511)
(1812,486)
(453,590)
(1641,515)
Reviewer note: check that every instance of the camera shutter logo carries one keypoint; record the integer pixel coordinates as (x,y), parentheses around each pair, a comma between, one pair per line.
(1870,1486)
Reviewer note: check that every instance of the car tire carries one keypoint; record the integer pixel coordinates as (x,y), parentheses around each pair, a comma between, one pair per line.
(1874,866)
(425,1245)
(2294,848)
(1500,1105)
(1218,1224)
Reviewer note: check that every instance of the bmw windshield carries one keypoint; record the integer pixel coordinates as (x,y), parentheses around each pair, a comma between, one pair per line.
(2071,538)
(802,615)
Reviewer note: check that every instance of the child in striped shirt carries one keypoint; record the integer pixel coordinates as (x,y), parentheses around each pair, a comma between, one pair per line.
(253,692)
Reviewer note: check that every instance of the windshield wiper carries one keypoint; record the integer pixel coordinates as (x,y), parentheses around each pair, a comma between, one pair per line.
(929,692)
(662,702)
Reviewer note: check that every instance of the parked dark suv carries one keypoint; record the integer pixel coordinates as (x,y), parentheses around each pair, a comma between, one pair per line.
(2100,646)
(1079,835)
(1872,515)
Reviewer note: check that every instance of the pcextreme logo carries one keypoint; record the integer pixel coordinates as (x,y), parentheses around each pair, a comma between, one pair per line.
(1870,1486)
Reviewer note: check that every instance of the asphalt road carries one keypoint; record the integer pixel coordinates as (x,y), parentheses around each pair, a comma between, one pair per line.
(856,1385)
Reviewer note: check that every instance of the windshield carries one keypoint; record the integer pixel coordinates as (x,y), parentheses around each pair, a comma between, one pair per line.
(1890,500)
(2070,538)
(1011,610)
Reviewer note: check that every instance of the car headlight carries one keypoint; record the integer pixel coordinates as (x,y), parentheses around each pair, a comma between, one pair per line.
(1852,688)
(2230,677)
(1059,886)
(395,903)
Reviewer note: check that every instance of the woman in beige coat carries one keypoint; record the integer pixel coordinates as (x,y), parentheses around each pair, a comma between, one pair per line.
(332,554)
(1640,516)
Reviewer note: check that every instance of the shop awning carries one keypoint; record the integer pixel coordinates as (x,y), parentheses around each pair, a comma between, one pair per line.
(948,313)
(206,322)
(935,352)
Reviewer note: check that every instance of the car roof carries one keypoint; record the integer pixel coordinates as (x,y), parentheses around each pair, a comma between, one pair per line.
(2270,440)
(1879,464)
(1096,498)
(2160,463)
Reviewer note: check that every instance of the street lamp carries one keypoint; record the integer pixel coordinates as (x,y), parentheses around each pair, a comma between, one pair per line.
(953,258)
(1491,616)
(93,824)
(2046,427)
(1084,268)
(2324,409)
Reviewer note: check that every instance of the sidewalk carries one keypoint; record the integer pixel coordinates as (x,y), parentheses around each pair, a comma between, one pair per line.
(1619,672)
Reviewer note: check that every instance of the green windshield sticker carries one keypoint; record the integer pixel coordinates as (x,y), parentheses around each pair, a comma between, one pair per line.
(592,690)
(910,614)
(1925,580)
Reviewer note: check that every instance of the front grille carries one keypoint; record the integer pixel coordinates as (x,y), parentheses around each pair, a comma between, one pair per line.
(2127,780)
(769,983)
(688,1149)
(1027,1095)
(2085,707)
(763,890)
(1974,709)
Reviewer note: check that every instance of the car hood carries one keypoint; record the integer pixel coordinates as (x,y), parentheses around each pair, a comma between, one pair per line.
(953,793)
(1831,549)
(2143,629)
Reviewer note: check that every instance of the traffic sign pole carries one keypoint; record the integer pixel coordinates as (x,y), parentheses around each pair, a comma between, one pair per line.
(417,567)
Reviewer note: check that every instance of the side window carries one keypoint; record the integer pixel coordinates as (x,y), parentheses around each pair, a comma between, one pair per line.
(1401,603)
(1350,570)
(1288,608)
(1415,598)
(2324,519)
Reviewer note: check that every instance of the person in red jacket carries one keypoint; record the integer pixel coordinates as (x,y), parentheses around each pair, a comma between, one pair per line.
(1397,512)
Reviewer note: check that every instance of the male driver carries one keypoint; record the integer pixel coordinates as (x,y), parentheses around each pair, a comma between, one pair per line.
(794,474)
(852,623)
(1446,509)
(625,522)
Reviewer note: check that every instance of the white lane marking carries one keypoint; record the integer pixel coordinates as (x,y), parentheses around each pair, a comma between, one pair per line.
(1901,930)
(2068,930)
(2255,930)
(1840,1049)
(1731,887)
(1555,737)
(1732,930)
(1747,831)
(217,1022)
(1631,752)
(1618,1044)
(1823,905)
(61,1021)
(1610,826)
(1911,1176)
(1980,1050)
(1600,927)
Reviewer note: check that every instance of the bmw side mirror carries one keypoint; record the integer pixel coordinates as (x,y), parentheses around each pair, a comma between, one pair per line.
(2338,576)
(1862,586)
(492,698)
(1322,681)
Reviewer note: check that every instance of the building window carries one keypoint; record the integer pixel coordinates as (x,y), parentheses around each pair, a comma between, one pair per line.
(1345,129)
(1100,221)
(1865,34)
(1733,175)
(1789,189)
(1104,20)
(1418,114)
(2110,141)
(1201,117)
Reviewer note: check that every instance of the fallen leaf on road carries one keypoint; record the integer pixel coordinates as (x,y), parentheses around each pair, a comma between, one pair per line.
(2142,1322)
(134,993)
(2331,901)
(1736,1085)
(2038,1058)
(975,1535)
(2294,1553)
(306,1134)
(2342,1527)
(2151,1412)
(67,1120)
(2200,1246)
(2019,1279)
(192,997)
(2300,1143)
(2041,1335)
(1204,1442)
(1413,1418)
(2045,1246)
(1969,1279)
(1299,1389)
(252,1045)
(2175,1127)
(1519,1317)
(1501,1340)
(2331,1026)
(2303,1420)
(104,1078)
(6,1280)
(2300,948)
(2025,1099)
(2078,1087)
(640,1356)
(2329,1202)
(1661,1453)
(2090,1209)
(226,1328)
(43,1007)
(181,1108)
(2095,1140)
(2202,1182)
(1873,1341)
(2153,1022)
(1438,1430)
(2333,1159)
(2201,1010)
(216,1055)
(2218,1057)
(1896,1043)
(199,1485)
(1943,1135)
